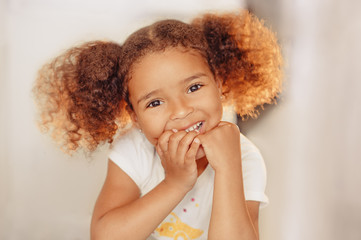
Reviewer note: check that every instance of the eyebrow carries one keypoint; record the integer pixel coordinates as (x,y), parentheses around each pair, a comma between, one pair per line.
(148,95)
(186,80)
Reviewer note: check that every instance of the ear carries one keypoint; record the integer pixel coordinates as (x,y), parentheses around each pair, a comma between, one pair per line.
(219,86)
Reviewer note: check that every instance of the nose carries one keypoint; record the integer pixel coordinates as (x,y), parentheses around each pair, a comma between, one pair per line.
(180,109)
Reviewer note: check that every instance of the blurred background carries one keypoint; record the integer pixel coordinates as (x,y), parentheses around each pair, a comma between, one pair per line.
(310,140)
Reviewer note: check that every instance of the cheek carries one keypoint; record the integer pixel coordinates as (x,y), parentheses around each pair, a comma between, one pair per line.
(152,127)
(214,105)
(212,108)
(216,109)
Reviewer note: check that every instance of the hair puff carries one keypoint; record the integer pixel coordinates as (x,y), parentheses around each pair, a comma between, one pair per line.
(246,57)
(79,96)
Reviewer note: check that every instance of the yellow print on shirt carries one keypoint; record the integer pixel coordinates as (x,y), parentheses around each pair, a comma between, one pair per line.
(178,230)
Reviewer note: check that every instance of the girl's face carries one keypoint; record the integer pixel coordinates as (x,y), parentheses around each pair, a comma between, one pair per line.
(174,89)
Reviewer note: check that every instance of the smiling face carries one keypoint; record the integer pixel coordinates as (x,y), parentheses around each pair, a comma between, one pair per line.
(174,89)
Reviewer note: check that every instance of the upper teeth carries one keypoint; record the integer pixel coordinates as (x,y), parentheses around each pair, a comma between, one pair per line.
(194,127)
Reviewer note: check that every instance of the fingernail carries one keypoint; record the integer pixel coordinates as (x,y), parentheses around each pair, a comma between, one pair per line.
(196,140)
(174,130)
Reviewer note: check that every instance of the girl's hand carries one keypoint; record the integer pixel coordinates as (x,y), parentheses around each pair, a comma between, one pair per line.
(222,146)
(177,151)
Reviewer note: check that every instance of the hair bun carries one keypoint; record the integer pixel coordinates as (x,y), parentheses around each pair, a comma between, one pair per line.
(99,61)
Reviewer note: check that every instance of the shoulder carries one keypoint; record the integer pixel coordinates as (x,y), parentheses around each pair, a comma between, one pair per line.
(131,142)
(134,154)
(247,145)
(251,155)
(254,171)
(130,136)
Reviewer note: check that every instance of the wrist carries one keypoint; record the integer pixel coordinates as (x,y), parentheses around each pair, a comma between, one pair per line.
(176,186)
(229,170)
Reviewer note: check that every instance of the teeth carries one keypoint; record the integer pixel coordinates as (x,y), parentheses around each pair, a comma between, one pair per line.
(194,127)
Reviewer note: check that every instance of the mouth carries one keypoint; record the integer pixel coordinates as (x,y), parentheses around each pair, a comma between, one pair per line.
(195,127)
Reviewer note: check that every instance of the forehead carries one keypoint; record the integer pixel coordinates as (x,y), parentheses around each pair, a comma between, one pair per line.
(177,55)
(169,66)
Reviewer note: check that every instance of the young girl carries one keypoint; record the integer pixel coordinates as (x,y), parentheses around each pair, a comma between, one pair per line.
(179,172)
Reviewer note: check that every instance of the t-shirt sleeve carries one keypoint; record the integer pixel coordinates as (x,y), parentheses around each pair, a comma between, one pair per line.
(128,154)
(254,172)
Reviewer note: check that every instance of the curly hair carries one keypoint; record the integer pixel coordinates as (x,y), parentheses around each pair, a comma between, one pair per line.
(245,55)
(82,94)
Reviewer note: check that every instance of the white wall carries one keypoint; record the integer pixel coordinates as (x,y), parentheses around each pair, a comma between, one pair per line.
(46,194)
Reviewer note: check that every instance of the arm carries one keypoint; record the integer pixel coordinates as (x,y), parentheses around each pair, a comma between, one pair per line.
(231,215)
(120,211)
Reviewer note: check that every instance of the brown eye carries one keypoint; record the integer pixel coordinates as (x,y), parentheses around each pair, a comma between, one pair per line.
(194,88)
(154,103)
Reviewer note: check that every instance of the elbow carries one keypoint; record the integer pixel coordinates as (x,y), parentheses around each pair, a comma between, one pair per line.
(95,232)
(101,230)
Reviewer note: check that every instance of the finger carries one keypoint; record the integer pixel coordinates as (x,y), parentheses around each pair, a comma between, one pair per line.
(163,140)
(202,138)
(174,142)
(190,156)
(162,156)
(185,143)
(204,143)
(159,151)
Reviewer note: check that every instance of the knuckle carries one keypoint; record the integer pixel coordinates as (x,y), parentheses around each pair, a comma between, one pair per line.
(177,136)
(173,138)
(186,140)
(163,139)
(163,146)
(182,143)
(233,127)
(188,156)
(230,127)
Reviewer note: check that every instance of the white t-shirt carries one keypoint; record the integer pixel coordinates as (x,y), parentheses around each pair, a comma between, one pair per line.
(137,157)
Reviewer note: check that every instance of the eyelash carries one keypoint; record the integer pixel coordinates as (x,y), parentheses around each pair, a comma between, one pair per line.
(158,102)
(152,103)
(198,87)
